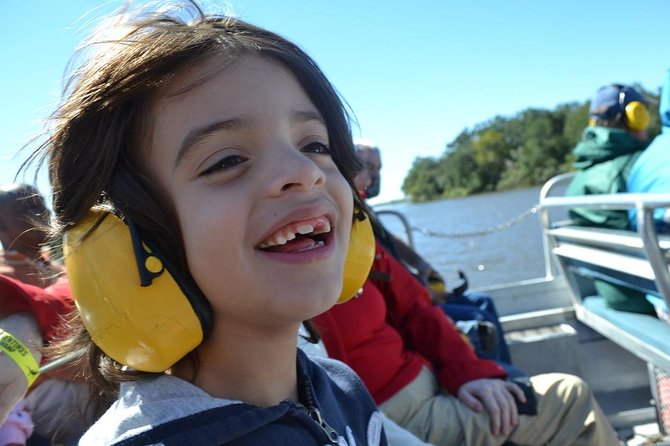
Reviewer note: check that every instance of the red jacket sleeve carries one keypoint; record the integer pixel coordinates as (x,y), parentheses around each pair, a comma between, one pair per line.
(425,328)
(46,305)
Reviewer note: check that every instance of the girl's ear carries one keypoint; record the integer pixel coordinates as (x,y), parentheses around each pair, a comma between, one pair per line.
(360,254)
(130,303)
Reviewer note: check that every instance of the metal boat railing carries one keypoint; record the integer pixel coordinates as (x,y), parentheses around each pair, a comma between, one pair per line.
(403,221)
(548,244)
(645,204)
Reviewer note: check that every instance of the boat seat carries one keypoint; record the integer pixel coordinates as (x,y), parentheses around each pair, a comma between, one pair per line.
(616,240)
(582,254)
(609,266)
(643,335)
(618,257)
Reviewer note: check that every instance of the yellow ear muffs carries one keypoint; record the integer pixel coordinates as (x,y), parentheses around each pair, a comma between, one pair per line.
(130,304)
(360,254)
(637,116)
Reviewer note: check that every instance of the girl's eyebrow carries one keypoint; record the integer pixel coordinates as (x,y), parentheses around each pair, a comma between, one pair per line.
(305,116)
(199,133)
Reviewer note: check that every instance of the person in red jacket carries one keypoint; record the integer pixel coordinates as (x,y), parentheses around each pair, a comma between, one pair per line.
(426,378)
(474,314)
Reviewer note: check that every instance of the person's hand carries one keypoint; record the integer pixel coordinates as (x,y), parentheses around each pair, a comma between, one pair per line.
(13,383)
(496,396)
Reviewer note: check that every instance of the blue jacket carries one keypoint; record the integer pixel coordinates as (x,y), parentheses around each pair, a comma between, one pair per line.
(336,409)
(651,171)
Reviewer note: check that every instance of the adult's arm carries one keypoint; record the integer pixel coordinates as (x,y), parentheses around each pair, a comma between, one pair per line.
(13,382)
(426,329)
(47,306)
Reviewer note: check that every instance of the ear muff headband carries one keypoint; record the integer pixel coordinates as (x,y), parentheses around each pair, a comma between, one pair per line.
(147,328)
(360,254)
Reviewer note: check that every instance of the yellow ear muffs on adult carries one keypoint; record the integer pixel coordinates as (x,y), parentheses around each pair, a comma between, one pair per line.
(637,116)
(147,328)
(360,254)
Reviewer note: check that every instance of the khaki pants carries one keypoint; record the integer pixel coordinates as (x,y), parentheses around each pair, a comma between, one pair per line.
(567,415)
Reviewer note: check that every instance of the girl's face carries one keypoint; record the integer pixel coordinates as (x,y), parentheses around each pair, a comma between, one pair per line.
(264,211)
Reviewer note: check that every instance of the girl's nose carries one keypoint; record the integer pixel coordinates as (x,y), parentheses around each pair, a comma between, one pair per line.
(294,170)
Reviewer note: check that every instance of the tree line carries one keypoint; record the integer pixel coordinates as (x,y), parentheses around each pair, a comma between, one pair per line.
(507,152)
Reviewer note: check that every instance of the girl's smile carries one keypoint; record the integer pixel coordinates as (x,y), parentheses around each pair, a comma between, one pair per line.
(298,236)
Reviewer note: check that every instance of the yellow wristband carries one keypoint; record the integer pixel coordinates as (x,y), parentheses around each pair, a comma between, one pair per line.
(20,354)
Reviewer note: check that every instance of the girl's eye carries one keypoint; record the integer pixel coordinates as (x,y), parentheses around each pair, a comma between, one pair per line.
(317,147)
(223,164)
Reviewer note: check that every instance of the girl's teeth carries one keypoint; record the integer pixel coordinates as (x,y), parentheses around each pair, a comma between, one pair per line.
(302,229)
(305,229)
(324,229)
(279,240)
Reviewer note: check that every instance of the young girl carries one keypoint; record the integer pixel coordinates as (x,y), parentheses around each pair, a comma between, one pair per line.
(222,155)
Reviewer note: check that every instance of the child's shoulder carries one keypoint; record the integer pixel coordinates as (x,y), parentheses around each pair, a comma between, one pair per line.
(152,410)
(146,403)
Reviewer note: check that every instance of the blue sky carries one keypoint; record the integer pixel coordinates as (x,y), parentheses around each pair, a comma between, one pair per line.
(415,74)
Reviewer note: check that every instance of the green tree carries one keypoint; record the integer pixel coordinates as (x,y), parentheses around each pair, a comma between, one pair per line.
(503,153)
(421,182)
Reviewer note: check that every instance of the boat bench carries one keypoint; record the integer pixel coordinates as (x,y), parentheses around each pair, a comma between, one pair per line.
(638,260)
(619,257)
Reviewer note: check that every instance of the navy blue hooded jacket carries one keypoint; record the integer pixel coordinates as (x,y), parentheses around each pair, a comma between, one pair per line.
(335,408)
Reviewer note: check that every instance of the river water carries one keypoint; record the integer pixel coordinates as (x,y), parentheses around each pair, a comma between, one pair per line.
(508,255)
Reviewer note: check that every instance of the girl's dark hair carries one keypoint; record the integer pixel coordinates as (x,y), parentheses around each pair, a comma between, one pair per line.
(100,130)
